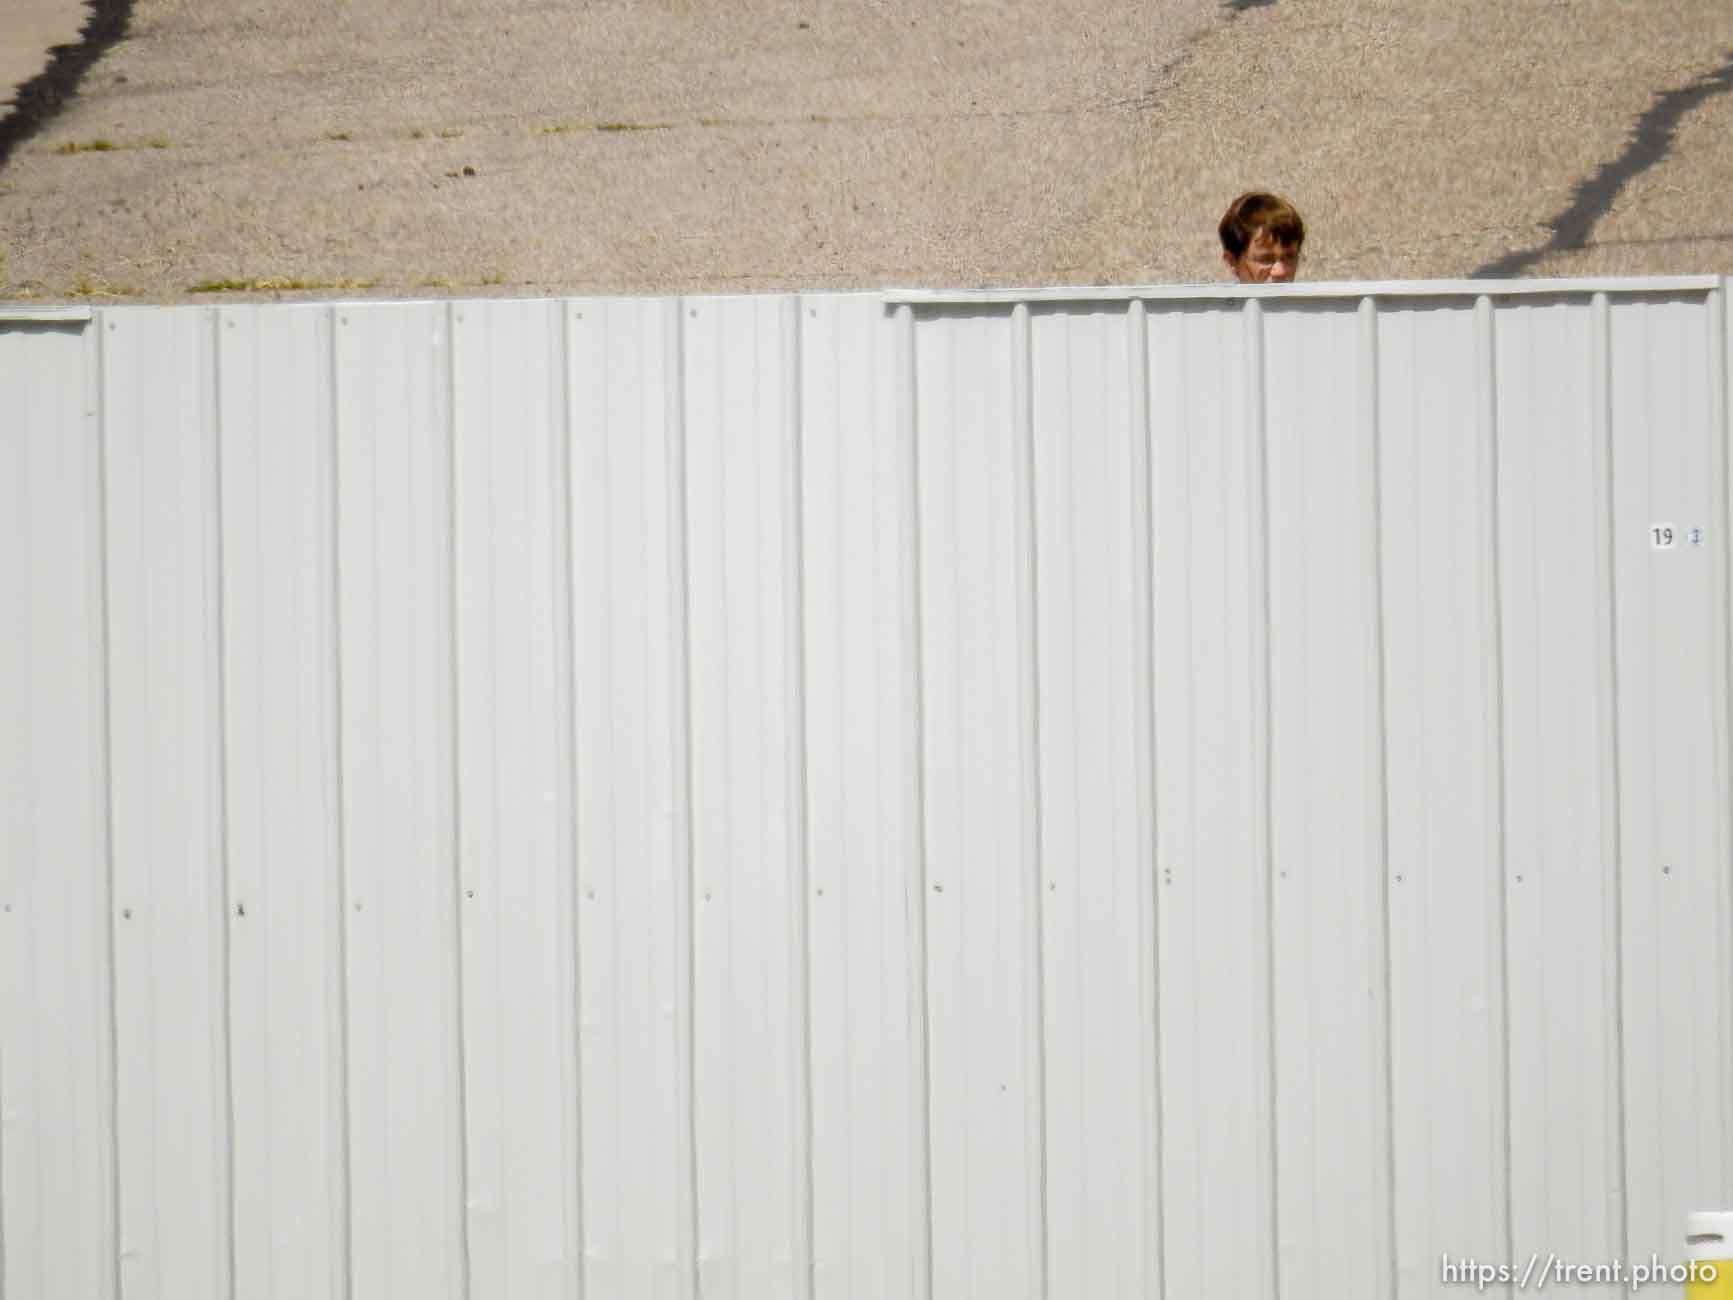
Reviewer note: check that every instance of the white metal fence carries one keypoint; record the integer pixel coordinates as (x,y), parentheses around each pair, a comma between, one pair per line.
(1068,794)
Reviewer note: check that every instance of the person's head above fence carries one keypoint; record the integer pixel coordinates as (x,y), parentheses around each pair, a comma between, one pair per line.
(1262,235)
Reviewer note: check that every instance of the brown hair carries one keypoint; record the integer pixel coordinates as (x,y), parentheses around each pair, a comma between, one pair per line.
(1255,211)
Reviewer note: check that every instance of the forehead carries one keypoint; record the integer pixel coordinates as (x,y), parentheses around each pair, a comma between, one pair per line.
(1265,244)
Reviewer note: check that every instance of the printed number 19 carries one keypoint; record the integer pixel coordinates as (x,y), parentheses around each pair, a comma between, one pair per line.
(1662,537)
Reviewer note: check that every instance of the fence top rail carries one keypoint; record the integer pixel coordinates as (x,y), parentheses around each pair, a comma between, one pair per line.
(27,314)
(14,315)
(1312,290)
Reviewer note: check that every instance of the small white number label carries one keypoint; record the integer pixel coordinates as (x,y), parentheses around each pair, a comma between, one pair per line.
(1663,537)
(1695,536)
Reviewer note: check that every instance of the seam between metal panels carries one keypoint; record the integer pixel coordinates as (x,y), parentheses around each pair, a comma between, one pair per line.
(1257,433)
(920,987)
(794,551)
(1028,554)
(1373,396)
(217,564)
(1607,517)
(1492,560)
(455,685)
(1308,291)
(109,902)
(680,505)
(1149,983)
(334,701)
(565,654)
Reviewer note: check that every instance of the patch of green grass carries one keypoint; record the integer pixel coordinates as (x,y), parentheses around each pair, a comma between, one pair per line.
(275,284)
(109,146)
(338,135)
(494,278)
(448,133)
(85,287)
(566,128)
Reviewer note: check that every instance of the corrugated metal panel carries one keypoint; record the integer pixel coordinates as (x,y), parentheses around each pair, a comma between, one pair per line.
(57,1094)
(1040,793)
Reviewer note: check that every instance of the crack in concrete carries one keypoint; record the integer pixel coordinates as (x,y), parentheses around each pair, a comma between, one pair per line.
(45,94)
(1650,143)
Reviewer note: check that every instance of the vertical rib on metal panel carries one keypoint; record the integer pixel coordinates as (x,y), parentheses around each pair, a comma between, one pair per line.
(98,381)
(1607,699)
(1487,433)
(1151,1238)
(796,689)
(1371,414)
(914,647)
(566,705)
(334,790)
(680,636)
(454,774)
(1029,646)
(1257,438)
(224,846)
